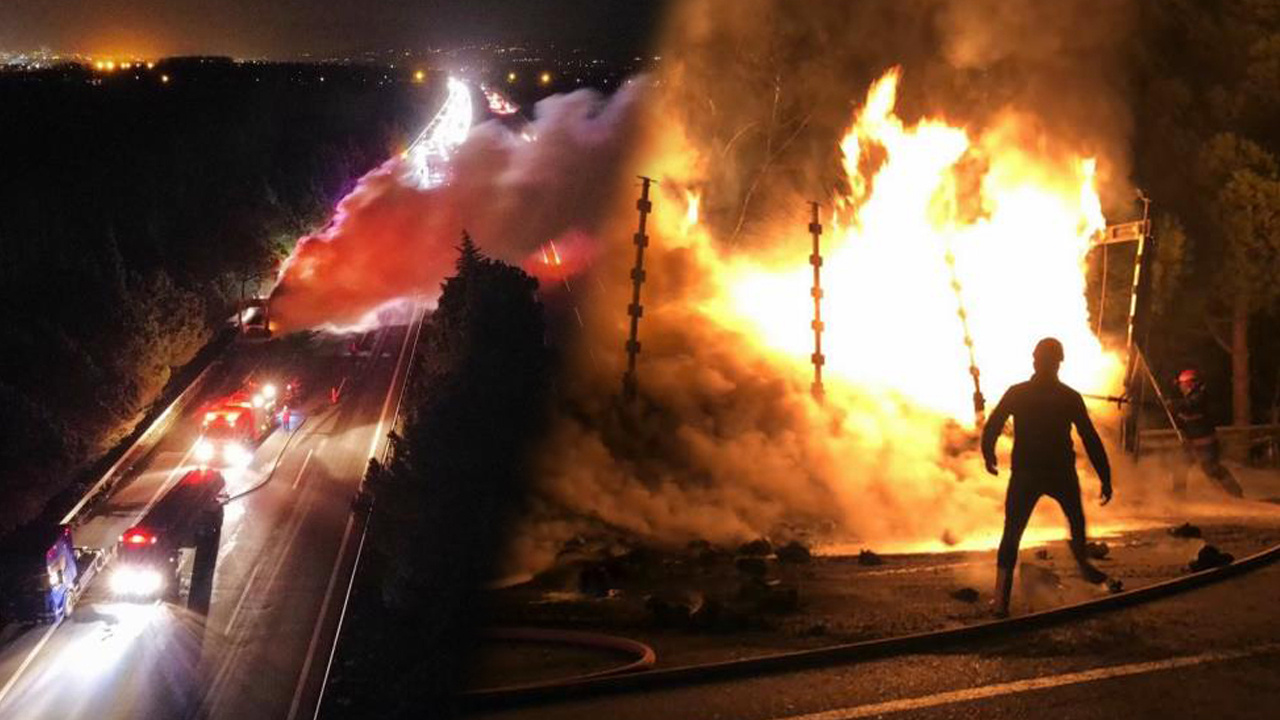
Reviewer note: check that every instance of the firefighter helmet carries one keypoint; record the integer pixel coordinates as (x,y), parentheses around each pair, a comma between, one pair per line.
(1190,376)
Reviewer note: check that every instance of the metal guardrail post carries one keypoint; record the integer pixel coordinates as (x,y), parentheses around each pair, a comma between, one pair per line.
(142,445)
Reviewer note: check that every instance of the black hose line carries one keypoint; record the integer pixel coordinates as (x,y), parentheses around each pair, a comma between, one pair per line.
(572,688)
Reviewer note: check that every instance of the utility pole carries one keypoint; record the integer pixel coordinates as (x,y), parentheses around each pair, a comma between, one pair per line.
(1102,300)
(1139,326)
(815,230)
(979,401)
(635,309)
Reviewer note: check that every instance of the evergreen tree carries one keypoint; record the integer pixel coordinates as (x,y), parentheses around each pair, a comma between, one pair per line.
(443,502)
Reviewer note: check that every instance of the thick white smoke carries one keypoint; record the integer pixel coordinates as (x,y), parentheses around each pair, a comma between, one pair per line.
(511,190)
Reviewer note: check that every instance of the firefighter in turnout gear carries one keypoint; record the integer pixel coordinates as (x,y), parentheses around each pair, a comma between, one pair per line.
(1191,411)
(1044,462)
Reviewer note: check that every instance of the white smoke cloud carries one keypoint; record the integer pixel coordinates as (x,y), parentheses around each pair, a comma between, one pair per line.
(512,190)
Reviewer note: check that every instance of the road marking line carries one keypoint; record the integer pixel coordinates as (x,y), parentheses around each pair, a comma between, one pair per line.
(333,649)
(295,526)
(382,416)
(13,680)
(235,612)
(296,517)
(302,469)
(324,610)
(1031,684)
(213,696)
(346,534)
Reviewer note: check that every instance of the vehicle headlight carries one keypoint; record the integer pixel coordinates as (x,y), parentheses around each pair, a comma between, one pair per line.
(235,454)
(269,391)
(204,451)
(135,581)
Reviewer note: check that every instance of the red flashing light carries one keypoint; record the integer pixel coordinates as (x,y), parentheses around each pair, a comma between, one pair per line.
(138,537)
(198,476)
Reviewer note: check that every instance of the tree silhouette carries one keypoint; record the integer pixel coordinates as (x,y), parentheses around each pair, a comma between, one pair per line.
(458,469)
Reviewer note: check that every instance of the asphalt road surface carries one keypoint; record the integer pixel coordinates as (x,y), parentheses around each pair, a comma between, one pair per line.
(284,562)
(1211,653)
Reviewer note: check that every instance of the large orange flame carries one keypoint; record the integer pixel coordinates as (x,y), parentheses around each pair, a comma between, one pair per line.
(937,221)
(936,217)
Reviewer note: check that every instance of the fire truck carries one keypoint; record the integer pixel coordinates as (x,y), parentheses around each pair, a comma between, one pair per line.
(42,573)
(188,516)
(234,425)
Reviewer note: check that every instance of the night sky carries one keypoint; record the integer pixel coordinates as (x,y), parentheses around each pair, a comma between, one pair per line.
(292,28)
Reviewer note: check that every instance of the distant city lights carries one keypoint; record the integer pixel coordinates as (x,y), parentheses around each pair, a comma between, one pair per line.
(518,66)
(112,65)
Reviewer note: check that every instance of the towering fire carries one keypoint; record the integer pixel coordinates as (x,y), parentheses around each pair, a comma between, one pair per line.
(726,441)
(937,222)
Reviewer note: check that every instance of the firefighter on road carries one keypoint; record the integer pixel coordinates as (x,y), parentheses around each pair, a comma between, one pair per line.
(1044,462)
(1192,414)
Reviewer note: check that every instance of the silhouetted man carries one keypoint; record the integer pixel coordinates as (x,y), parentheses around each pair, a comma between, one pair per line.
(1192,414)
(1044,461)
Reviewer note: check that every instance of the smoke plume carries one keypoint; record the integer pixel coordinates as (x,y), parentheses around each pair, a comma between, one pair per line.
(511,190)
(766,87)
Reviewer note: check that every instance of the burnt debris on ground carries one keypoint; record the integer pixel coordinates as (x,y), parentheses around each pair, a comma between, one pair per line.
(704,602)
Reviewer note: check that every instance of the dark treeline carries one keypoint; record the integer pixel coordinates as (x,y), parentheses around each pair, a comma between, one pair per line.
(134,207)
(444,503)
(1206,99)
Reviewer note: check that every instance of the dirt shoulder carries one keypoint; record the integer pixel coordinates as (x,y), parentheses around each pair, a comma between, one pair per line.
(706,604)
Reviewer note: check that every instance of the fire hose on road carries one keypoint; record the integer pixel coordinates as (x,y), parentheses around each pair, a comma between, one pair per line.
(646,680)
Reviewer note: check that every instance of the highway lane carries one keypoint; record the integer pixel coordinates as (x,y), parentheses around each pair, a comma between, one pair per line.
(277,554)
(275,630)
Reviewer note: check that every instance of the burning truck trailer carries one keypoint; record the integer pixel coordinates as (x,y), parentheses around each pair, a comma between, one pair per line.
(237,423)
(149,556)
(254,319)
